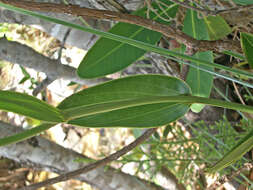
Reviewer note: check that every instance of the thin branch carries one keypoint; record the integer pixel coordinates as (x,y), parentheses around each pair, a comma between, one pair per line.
(150,8)
(212,12)
(118,6)
(94,165)
(201,10)
(42,154)
(226,178)
(198,45)
(66,35)
(238,93)
(42,86)
(235,9)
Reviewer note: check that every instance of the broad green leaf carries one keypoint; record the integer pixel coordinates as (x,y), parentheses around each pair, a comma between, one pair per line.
(29,106)
(141,45)
(217,27)
(199,81)
(109,56)
(194,26)
(243,2)
(245,145)
(247,46)
(131,102)
(25,134)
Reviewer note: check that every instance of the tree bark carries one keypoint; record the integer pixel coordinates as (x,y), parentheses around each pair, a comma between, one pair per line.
(25,56)
(76,38)
(43,154)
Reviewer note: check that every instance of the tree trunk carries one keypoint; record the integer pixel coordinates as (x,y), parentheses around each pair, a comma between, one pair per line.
(42,154)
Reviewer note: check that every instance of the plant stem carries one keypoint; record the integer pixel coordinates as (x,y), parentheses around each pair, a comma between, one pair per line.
(224,104)
(171,32)
(94,165)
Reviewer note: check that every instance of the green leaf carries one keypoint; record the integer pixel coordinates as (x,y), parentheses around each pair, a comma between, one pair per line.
(127,102)
(109,56)
(25,134)
(245,145)
(234,54)
(141,45)
(29,106)
(199,81)
(24,71)
(23,80)
(217,27)
(247,46)
(243,2)
(195,27)
(26,75)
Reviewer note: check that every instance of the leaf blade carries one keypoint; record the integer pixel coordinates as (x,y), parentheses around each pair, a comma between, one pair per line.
(25,134)
(115,56)
(141,45)
(247,46)
(29,106)
(169,113)
(130,89)
(199,81)
(243,2)
(233,155)
(217,27)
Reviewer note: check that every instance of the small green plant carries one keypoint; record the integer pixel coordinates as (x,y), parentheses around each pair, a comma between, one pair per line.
(140,101)
(185,155)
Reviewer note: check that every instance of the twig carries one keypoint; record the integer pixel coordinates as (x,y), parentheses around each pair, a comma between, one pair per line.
(94,165)
(169,31)
(217,184)
(150,8)
(63,43)
(118,6)
(235,9)
(201,10)
(160,5)
(49,80)
(238,93)
(250,116)
(42,85)
(212,12)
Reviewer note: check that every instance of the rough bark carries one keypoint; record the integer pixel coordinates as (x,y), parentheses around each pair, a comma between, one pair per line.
(76,38)
(25,56)
(43,154)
